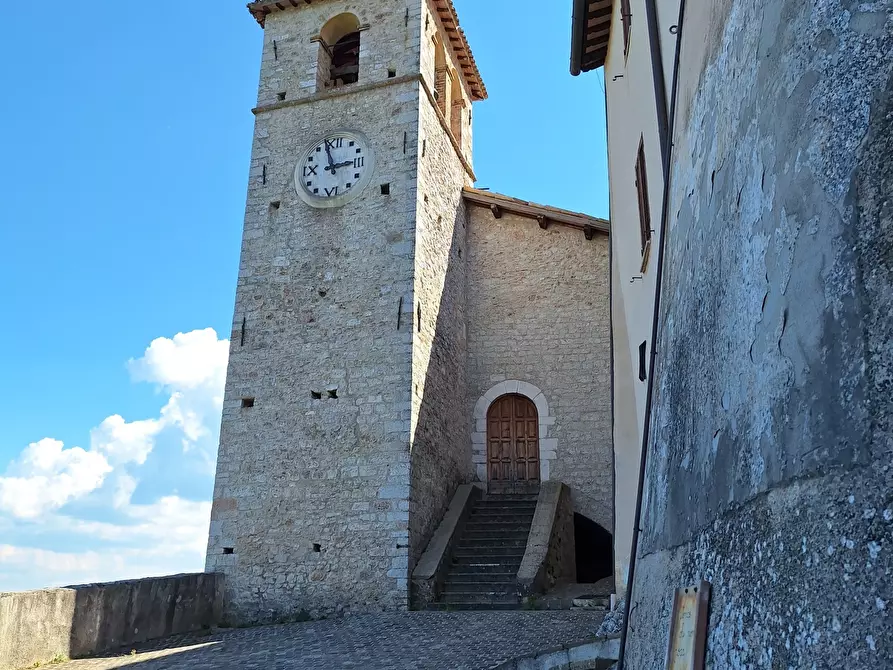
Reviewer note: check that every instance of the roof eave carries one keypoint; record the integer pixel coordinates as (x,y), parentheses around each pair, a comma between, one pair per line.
(590,33)
(543,213)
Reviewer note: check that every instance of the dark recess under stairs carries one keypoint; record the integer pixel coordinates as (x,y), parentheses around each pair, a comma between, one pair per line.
(484,569)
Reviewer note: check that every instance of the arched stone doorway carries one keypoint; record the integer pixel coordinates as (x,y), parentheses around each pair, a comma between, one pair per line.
(513,447)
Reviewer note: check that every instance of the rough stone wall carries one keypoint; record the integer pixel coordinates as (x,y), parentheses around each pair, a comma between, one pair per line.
(770,467)
(312,495)
(78,621)
(441,456)
(292,66)
(432,27)
(538,312)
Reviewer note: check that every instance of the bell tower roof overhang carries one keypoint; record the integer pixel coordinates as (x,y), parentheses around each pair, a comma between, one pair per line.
(448,17)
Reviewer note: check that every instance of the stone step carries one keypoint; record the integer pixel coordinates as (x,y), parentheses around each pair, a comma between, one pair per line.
(500,516)
(488,564)
(507,504)
(481,597)
(495,534)
(474,606)
(469,576)
(487,554)
(518,542)
(456,585)
(495,520)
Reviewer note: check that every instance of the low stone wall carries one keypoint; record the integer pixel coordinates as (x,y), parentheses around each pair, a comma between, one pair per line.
(430,571)
(550,555)
(78,621)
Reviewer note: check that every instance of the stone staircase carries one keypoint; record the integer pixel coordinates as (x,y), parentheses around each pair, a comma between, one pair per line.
(484,568)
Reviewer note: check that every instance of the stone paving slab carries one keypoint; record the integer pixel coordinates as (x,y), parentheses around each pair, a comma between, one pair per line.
(401,641)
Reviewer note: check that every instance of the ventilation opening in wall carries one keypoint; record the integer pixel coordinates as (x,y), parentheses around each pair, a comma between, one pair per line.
(275,205)
(247,402)
(333,394)
(392,73)
(594,550)
(317,548)
(643,370)
(418,317)
(281,96)
(316,395)
(386,189)
(229,550)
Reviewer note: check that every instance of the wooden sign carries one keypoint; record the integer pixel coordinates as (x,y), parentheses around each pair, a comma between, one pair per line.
(688,628)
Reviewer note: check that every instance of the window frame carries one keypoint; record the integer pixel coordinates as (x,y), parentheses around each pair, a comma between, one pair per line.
(645,229)
(626,20)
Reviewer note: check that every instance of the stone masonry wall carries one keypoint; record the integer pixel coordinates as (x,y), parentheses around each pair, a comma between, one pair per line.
(291,66)
(77,621)
(538,313)
(311,496)
(441,458)
(770,467)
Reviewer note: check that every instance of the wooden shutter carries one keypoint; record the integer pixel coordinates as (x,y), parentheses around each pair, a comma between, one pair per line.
(626,17)
(642,191)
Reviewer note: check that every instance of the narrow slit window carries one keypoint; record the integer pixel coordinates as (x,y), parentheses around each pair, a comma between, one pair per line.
(247,402)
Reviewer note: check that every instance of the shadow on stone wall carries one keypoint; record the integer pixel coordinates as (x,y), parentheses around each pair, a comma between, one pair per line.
(440,458)
(79,621)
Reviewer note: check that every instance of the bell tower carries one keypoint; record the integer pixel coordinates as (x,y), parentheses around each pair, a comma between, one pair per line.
(344,428)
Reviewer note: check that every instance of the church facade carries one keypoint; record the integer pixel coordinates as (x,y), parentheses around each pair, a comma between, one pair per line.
(396,331)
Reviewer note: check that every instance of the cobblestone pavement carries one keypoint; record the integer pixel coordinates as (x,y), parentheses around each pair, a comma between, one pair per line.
(404,641)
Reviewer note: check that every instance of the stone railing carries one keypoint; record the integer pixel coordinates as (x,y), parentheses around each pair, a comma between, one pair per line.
(430,571)
(37,627)
(550,555)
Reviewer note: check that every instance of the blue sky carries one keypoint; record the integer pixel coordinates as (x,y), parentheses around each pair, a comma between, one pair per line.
(125,133)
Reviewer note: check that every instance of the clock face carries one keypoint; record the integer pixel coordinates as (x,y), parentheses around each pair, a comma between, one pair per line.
(335,169)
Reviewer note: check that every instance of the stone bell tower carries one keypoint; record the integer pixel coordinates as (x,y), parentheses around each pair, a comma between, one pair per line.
(343,433)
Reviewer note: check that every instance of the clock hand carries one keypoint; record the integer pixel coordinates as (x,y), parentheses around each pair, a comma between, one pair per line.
(331,165)
(344,164)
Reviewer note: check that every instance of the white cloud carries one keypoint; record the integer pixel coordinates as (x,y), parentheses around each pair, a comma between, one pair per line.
(124,488)
(47,476)
(189,360)
(123,442)
(170,521)
(129,540)
(191,367)
(165,537)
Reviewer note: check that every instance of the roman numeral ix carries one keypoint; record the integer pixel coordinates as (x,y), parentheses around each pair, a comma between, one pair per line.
(310,170)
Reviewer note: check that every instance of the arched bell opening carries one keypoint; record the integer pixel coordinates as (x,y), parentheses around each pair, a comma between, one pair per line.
(339,52)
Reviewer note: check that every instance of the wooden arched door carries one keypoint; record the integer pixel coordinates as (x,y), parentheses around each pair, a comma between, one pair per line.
(513,445)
